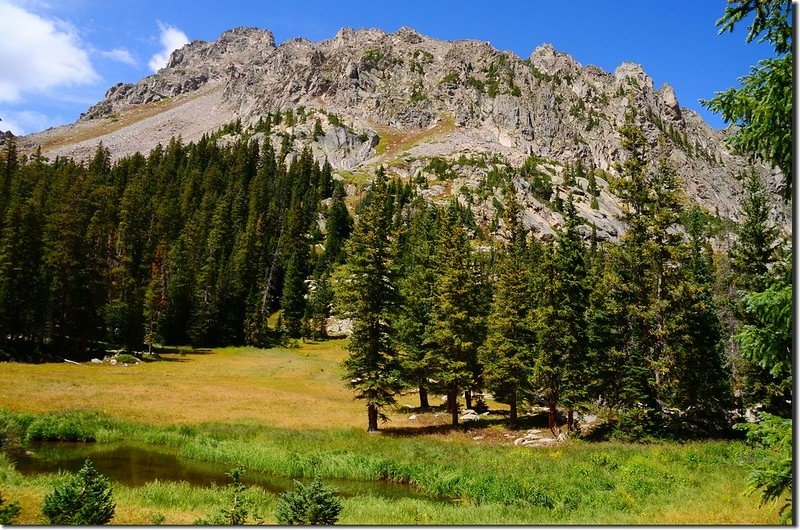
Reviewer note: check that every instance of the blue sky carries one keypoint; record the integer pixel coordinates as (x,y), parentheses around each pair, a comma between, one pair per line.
(58,57)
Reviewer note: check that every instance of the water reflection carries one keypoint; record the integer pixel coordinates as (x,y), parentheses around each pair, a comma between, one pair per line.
(136,465)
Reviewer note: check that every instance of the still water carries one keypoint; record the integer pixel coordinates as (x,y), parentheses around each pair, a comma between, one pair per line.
(135,465)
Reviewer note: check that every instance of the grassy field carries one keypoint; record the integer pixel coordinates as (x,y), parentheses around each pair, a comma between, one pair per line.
(280,387)
(286,412)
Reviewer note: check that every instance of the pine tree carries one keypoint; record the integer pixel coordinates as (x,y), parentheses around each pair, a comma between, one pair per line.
(613,382)
(319,304)
(507,353)
(85,498)
(766,336)
(570,313)
(458,314)
(317,130)
(669,345)
(548,376)
(64,258)
(155,300)
(365,292)
(23,292)
(756,242)
(338,226)
(124,313)
(9,163)
(311,504)
(417,292)
(701,383)
(647,273)
(293,302)
(751,256)
(763,106)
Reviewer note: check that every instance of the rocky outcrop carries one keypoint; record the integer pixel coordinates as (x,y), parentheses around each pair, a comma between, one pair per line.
(5,135)
(189,69)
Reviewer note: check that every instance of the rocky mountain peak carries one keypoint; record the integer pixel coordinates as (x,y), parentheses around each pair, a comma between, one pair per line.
(546,59)
(633,71)
(409,35)
(403,100)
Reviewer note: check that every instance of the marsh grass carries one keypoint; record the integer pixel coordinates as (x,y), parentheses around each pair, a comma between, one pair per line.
(578,482)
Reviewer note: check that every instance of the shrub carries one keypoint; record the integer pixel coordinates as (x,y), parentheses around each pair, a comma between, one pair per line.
(84,499)
(317,130)
(237,510)
(126,358)
(70,426)
(312,504)
(8,513)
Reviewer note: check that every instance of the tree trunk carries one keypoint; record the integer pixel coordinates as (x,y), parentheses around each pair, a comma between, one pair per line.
(423,398)
(553,418)
(452,403)
(513,405)
(372,417)
(468,399)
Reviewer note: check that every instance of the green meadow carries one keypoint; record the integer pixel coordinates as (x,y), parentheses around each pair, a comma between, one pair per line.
(285,412)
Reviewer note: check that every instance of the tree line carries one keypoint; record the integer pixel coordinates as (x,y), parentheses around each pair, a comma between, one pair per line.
(211,243)
(636,326)
(194,243)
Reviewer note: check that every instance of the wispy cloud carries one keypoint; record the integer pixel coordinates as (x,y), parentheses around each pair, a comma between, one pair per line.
(25,122)
(171,39)
(39,54)
(120,55)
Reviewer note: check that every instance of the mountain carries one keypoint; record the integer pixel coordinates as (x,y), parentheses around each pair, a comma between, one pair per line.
(453,116)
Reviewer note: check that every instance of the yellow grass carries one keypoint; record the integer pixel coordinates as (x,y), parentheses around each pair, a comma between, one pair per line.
(285,388)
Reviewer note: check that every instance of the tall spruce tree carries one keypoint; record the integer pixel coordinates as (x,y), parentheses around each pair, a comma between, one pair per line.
(572,302)
(548,376)
(338,226)
(458,314)
(417,288)
(763,106)
(752,255)
(756,243)
(320,299)
(613,382)
(507,353)
(293,302)
(366,293)
(701,384)
(647,269)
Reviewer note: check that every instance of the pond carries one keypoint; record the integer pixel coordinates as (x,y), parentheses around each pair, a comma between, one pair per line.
(137,464)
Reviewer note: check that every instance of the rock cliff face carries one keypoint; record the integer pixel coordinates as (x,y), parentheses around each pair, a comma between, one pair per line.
(403,100)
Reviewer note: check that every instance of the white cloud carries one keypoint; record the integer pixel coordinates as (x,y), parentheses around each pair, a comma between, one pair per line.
(171,39)
(120,55)
(25,122)
(38,55)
